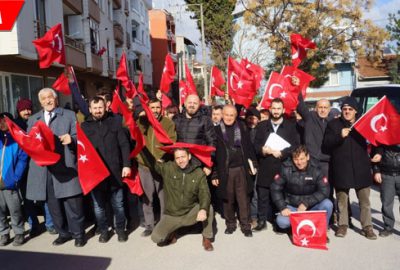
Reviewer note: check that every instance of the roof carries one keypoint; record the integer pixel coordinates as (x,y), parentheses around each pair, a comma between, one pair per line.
(366,69)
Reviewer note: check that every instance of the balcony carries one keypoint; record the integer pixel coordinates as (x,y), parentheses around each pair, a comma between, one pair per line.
(116,4)
(75,5)
(111,67)
(94,10)
(75,53)
(97,64)
(118,34)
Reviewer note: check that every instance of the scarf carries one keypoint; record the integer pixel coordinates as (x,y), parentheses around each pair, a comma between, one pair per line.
(237,137)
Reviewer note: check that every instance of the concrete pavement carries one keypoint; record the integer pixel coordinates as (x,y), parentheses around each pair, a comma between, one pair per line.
(265,250)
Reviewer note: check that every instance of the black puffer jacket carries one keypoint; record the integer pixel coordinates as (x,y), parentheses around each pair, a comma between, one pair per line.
(390,162)
(293,187)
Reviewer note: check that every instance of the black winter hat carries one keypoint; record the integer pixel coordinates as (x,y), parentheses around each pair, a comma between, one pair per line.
(350,101)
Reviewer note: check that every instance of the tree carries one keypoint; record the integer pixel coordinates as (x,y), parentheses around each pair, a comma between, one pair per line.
(218,21)
(335,26)
(394,30)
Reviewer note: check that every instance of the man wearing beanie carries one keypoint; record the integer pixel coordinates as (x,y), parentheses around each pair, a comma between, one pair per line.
(24,111)
(349,167)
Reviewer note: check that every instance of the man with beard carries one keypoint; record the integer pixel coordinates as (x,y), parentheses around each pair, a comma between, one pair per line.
(112,144)
(151,181)
(194,127)
(216,114)
(270,159)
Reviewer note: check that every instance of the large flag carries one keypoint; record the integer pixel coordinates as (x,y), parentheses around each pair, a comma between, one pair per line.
(380,124)
(299,45)
(38,143)
(202,152)
(256,70)
(133,181)
(62,85)
(278,87)
(165,101)
(183,91)
(309,229)
(289,71)
(122,71)
(216,82)
(191,86)
(168,75)
(50,47)
(91,168)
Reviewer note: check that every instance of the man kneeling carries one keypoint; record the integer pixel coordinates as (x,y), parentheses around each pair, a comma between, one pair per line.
(301,186)
(187,200)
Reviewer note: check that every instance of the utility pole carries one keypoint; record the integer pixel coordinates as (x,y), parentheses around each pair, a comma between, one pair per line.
(203,48)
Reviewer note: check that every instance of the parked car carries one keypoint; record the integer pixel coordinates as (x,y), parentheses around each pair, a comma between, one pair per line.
(368,96)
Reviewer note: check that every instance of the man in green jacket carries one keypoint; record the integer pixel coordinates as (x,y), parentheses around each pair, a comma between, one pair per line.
(186,198)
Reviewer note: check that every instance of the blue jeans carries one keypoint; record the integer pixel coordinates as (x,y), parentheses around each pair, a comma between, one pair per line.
(100,198)
(284,222)
(33,221)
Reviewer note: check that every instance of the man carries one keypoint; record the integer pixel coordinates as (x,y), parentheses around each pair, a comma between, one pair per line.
(349,167)
(12,167)
(24,111)
(270,159)
(216,114)
(387,173)
(112,143)
(194,127)
(232,174)
(301,186)
(187,200)
(58,184)
(151,181)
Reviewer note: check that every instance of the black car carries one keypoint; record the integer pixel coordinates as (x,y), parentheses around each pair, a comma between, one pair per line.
(368,96)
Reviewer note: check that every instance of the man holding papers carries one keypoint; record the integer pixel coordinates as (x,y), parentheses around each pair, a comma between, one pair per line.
(275,140)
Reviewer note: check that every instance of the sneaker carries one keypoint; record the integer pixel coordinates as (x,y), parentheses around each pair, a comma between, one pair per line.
(385,233)
(341,231)
(104,237)
(261,225)
(229,230)
(122,236)
(18,240)
(4,239)
(368,232)
(247,233)
(146,233)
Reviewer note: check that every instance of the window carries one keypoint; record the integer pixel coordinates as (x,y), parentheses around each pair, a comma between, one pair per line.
(135,5)
(94,36)
(41,17)
(135,31)
(333,78)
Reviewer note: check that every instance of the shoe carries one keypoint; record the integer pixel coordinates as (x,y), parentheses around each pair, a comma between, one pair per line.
(146,233)
(34,232)
(385,233)
(80,242)
(247,233)
(51,230)
(61,240)
(122,236)
(171,239)
(230,230)
(341,231)
(207,244)
(19,240)
(351,225)
(261,225)
(4,239)
(368,232)
(253,223)
(104,237)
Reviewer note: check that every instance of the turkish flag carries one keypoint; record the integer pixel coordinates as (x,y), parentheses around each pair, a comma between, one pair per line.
(165,101)
(256,70)
(9,11)
(168,75)
(380,124)
(38,143)
(191,86)
(91,168)
(309,229)
(133,182)
(62,85)
(289,71)
(141,90)
(118,106)
(183,91)
(202,152)
(217,80)
(130,88)
(299,45)
(122,71)
(278,87)
(50,47)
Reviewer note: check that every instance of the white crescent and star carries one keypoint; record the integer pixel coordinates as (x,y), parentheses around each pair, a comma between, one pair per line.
(81,144)
(375,119)
(306,222)
(296,54)
(23,134)
(38,136)
(83,158)
(272,88)
(58,43)
(233,74)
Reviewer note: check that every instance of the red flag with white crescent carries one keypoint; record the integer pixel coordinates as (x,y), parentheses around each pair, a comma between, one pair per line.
(168,75)
(299,45)
(289,71)
(217,81)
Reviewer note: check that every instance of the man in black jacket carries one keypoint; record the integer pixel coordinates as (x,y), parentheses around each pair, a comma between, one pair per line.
(270,159)
(387,173)
(300,186)
(106,134)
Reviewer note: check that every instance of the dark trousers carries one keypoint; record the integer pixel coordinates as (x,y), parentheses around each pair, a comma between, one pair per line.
(236,192)
(389,188)
(265,205)
(67,213)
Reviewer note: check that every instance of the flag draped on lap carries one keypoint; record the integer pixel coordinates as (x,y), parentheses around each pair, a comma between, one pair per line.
(38,143)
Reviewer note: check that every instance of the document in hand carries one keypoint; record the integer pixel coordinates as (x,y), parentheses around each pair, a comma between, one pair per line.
(276,142)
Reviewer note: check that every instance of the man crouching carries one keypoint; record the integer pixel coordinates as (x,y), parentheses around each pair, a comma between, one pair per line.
(187,200)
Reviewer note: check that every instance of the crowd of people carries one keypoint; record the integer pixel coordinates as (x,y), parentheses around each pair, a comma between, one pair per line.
(252,181)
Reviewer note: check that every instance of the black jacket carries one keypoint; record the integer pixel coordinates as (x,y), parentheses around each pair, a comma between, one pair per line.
(294,187)
(390,162)
(269,165)
(221,163)
(349,166)
(111,142)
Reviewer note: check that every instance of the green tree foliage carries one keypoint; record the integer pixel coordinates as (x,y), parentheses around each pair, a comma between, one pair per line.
(394,30)
(218,23)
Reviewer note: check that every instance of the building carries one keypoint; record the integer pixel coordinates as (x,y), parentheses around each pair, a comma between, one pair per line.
(368,74)
(88,27)
(186,54)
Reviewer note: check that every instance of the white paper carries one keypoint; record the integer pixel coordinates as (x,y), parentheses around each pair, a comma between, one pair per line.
(276,142)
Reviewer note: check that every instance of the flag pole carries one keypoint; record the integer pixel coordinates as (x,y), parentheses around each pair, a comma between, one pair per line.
(367,112)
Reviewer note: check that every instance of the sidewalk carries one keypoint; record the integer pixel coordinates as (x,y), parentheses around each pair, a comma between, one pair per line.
(265,250)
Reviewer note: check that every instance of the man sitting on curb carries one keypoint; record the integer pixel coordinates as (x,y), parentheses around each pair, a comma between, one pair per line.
(187,200)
